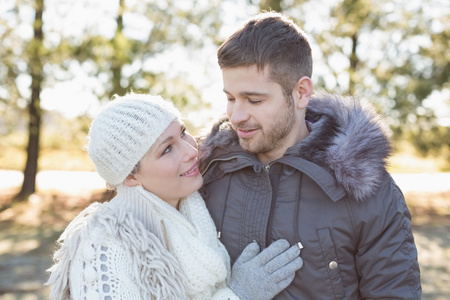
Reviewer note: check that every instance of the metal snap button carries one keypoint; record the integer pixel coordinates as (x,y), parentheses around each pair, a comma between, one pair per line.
(332,265)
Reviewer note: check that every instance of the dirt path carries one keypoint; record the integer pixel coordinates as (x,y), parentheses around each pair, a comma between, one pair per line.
(28,231)
(433,243)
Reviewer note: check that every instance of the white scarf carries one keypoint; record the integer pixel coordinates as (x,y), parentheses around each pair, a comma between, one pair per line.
(190,236)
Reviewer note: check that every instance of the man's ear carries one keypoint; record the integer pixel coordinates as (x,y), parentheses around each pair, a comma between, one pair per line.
(132,180)
(303,91)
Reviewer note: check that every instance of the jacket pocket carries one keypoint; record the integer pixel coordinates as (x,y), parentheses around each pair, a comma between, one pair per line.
(331,262)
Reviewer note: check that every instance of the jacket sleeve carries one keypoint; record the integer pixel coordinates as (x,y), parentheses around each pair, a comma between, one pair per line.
(386,258)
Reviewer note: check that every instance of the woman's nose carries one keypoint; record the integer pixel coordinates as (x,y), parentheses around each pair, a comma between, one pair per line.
(190,150)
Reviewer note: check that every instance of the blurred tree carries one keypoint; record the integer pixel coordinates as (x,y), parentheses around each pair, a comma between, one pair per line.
(11,68)
(340,39)
(274,5)
(144,31)
(22,62)
(395,54)
(27,67)
(34,52)
(120,50)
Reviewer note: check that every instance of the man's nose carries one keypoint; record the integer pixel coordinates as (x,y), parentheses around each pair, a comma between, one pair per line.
(238,112)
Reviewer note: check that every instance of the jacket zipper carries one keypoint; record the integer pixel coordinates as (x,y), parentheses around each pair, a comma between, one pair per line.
(272,205)
(219,230)
(267,169)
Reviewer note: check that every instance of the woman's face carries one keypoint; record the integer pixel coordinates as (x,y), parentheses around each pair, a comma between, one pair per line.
(169,170)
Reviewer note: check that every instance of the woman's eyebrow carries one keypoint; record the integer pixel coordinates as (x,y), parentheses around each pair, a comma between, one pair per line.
(164,142)
(169,139)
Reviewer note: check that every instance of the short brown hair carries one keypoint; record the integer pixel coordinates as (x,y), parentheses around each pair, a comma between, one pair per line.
(270,39)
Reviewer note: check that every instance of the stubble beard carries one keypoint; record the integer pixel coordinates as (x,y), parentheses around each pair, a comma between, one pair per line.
(273,137)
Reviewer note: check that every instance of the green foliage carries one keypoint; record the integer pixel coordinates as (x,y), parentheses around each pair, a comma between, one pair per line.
(432,141)
(394,54)
(60,133)
(266,5)
(125,62)
(32,63)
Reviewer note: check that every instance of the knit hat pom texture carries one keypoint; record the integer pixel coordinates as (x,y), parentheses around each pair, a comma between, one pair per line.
(124,131)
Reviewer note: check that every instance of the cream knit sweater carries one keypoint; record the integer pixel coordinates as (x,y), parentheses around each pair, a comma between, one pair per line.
(139,247)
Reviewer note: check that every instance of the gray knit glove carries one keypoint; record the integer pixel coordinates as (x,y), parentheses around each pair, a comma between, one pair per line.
(263,275)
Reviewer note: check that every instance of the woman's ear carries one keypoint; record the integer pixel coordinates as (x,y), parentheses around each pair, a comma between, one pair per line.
(303,91)
(132,180)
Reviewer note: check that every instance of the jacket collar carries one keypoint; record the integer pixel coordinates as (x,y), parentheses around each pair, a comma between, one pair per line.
(347,139)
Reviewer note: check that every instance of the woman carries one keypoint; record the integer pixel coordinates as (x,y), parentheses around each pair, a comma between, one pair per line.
(155,239)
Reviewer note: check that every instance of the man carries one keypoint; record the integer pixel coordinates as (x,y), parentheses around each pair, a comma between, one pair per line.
(306,168)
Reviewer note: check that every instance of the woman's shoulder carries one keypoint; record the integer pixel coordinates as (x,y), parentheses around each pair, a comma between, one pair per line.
(114,245)
(110,226)
(120,244)
(98,226)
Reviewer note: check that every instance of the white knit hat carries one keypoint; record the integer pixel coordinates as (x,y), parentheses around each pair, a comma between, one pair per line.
(125,130)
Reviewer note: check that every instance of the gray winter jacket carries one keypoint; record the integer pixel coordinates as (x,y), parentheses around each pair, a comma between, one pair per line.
(331,192)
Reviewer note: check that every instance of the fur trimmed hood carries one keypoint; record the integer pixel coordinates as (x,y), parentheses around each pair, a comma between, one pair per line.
(347,138)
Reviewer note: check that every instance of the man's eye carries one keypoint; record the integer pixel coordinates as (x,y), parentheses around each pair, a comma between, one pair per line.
(183,133)
(254,101)
(230,99)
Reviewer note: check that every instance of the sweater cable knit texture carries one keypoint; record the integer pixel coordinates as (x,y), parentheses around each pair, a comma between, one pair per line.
(118,250)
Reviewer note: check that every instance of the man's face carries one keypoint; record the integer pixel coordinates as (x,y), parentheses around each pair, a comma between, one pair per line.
(259,112)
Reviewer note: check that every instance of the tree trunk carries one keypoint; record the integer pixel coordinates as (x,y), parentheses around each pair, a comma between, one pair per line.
(34,107)
(117,64)
(354,61)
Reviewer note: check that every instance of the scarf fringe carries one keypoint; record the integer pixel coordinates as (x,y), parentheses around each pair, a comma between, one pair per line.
(159,273)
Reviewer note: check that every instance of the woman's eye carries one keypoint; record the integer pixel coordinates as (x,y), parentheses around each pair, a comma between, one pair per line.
(183,133)
(167,150)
